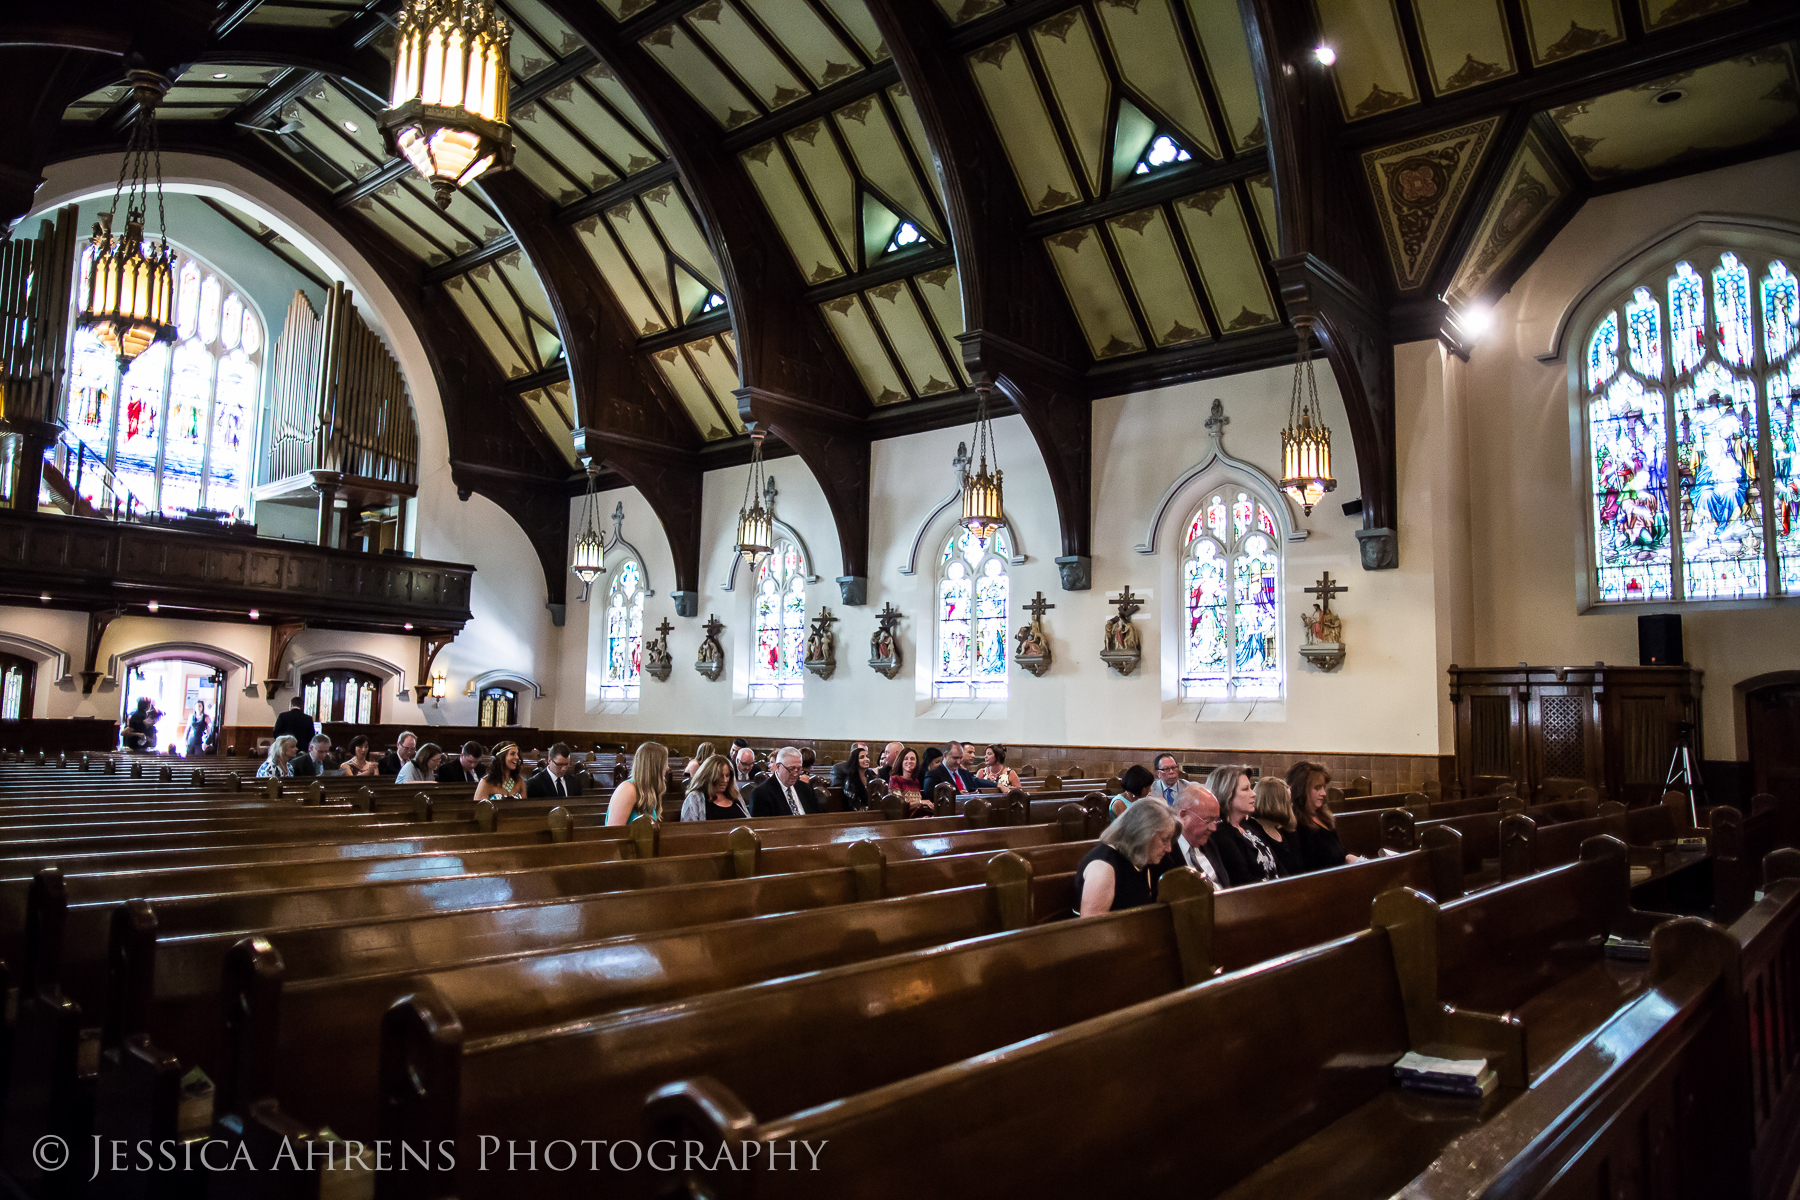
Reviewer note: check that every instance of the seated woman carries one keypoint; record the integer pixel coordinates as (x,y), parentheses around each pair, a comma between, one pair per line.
(993,769)
(422,769)
(280,763)
(642,794)
(505,779)
(359,762)
(1134,784)
(713,794)
(851,778)
(1120,872)
(1315,826)
(702,752)
(1272,824)
(904,781)
(1246,860)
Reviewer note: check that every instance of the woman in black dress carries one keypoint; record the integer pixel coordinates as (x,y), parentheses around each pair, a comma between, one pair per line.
(1272,824)
(1246,860)
(1121,872)
(1315,825)
(713,794)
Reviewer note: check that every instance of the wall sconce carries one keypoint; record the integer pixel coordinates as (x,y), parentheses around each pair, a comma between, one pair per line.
(440,687)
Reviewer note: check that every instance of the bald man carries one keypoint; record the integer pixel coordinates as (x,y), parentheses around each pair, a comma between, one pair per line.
(1197,810)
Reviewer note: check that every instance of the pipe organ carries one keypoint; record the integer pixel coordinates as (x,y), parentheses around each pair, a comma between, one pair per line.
(35,278)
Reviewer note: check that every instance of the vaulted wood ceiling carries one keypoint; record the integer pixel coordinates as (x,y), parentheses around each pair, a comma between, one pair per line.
(833,217)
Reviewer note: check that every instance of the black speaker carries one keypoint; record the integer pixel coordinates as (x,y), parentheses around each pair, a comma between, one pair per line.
(1659,640)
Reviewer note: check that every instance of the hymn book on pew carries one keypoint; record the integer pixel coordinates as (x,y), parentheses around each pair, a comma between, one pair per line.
(1468,1077)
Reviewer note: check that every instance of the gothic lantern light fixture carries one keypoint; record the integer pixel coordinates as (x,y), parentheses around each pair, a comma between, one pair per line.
(588,560)
(1306,443)
(756,525)
(983,509)
(447,116)
(128,288)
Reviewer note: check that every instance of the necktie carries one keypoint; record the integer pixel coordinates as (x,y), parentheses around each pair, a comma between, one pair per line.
(562,789)
(793,800)
(1201,865)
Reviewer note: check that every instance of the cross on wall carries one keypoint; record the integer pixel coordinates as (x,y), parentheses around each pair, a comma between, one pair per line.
(1325,589)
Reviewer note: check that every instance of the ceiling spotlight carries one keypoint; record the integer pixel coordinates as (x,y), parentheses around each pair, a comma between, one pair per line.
(349,126)
(1478,320)
(221,74)
(407,627)
(45,597)
(1325,54)
(153,606)
(255,613)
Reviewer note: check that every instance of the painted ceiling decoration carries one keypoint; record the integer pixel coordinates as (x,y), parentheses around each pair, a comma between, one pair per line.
(1418,187)
(1373,72)
(1559,29)
(1690,115)
(654,256)
(901,336)
(703,374)
(553,407)
(506,304)
(1528,192)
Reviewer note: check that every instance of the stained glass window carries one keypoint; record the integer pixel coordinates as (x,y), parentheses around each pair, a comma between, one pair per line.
(177,427)
(778,653)
(1231,576)
(624,632)
(499,706)
(973,602)
(1719,406)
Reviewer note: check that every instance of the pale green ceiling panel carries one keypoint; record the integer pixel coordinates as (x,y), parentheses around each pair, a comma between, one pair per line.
(1152,58)
(1262,195)
(855,332)
(749,56)
(1465,42)
(1560,29)
(645,317)
(884,163)
(1372,72)
(1229,267)
(652,261)
(508,311)
(832,183)
(600,77)
(854,16)
(546,412)
(942,290)
(1153,265)
(682,380)
(504,351)
(1094,293)
(911,338)
(908,113)
(617,141)
(967,10)
(680,55)
(1083,90)
(668,208)
(716,367)
(807,39)
(544,175)
(781,195)
(1023,122)
(558,141)
(1220,27)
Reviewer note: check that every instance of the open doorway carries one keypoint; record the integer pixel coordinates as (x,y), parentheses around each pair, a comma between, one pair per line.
(179,690)
(1772,716)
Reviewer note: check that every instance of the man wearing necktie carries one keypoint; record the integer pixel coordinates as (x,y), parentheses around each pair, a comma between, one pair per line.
(784,793)
(951,770)
(1198,813)
(1167,787)
(554,781)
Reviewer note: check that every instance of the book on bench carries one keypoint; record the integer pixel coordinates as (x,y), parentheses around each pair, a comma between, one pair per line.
(1633,949)
(1468,1077)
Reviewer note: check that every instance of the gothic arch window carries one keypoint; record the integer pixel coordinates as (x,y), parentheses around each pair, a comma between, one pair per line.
(624,632)
(500,706)
(778,649)
(1689,379)
(340,694)
(175,430)
(1231,579)
(973,604)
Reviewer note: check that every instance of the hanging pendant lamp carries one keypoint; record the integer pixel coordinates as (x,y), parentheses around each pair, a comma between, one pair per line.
(983,506)
(588,559)
(756,527)
(128,288)
(1305,443)
(447,114)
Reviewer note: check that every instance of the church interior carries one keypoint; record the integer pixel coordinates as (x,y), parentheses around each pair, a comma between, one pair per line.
(1219,560)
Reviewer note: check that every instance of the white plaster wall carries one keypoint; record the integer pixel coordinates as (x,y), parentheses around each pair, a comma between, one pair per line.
(1523,544)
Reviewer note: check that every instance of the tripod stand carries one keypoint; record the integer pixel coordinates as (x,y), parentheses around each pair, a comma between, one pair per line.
(1684,773)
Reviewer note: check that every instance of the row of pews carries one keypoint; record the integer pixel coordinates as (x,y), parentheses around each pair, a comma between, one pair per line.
(329,991)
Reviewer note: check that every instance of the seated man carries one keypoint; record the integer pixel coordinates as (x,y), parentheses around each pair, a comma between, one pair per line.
(784,793)
(555,779)
(401,754)
(890,759)
(951,769)
(317,759)
(465,767)
(743,765)
(1197,810)
(1167,787)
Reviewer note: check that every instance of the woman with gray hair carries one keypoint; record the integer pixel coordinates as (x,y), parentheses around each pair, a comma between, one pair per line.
(1120,872)
(279,764)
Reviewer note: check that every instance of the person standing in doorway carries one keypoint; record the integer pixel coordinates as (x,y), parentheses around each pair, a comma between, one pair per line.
(198,726)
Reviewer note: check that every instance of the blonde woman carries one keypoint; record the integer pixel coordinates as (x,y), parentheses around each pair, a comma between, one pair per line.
(702,752)
(505,779)
(279,764)
(1272,823)
(641,795)
(713,794)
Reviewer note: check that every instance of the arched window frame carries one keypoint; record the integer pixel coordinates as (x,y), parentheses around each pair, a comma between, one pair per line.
(354,697)
(498,707)
(971,629)
(18,677)
(1238,525)
(1672,514)
(778,625)
(623,630)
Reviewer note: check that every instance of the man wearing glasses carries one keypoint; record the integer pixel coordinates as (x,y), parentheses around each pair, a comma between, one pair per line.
(1167,787)
(1198,812)
(554,780)
(784,793)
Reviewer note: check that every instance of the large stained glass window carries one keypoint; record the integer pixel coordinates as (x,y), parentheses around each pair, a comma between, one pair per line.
(176,428)
(972,617)
(1712,396)
(778,653)
(624,632)
(1231,575)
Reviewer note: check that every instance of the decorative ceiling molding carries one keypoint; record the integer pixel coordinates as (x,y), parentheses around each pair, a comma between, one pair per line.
(1418,187)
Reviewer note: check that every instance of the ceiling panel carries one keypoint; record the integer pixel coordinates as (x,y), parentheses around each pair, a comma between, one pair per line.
(1023,122)
(883,162)
(548,32)
(807,39)
(1684,116)
(1660,14)
(407,235)
(1262,196)
(1418,188)
(855,331)
(832,184)
(1153,59)
(914,345)
(942,291)
(1094,293)
(529,291)
(315,14)
(645,316)
(553,409)
(787,204)
(1371,72)
(1153,266)
(1220,28)
(967,10)
(1081,86)
(1528,192)
(1230,269)
(1559,29)
(680,55)
(540,128)
(855,17)
(684,380)
(748,55)
(908,112)
(719,370)
(507,351)
(674,219)
(632,228)
(600,77)
(1465,42)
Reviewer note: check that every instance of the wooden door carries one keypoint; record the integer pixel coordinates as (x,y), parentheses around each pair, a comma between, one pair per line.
(1563,739)
(1773,716)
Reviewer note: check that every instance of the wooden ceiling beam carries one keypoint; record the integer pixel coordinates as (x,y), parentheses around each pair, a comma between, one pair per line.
(1021,337)
(788,361)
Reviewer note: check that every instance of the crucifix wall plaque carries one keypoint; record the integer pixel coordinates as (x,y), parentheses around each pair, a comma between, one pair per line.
(1032,650)
(1324,630)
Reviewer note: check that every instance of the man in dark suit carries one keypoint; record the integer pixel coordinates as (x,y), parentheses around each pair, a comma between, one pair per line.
(784,793)
(401,754)
(743,767)
(464,768)
(950,770)
(554,780)
(296,724)
(1198,812)
(316,760)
